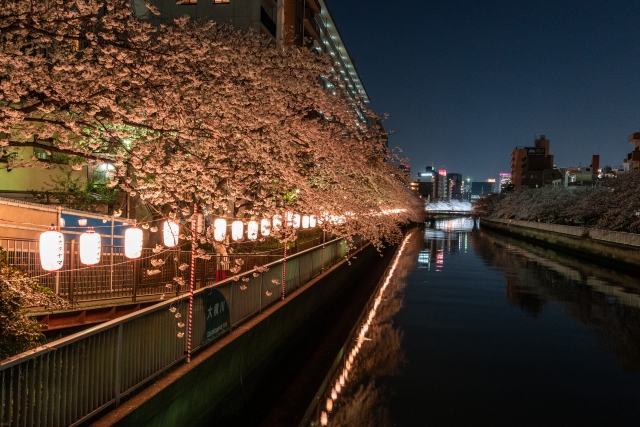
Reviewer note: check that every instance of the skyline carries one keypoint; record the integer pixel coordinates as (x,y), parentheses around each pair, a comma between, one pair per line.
(464,84)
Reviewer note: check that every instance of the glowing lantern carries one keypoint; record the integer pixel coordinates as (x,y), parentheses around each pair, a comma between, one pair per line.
(277,223)
(265,227)
(133,242)
(334,395)
(252,230)
(237,230)
(324,420)
(199,223)
(171,230)
(296,221)
(329,404)
(289,219)
(90,248)
(341,380)
(305,221)
(312,221)
(219,229)
(51,249)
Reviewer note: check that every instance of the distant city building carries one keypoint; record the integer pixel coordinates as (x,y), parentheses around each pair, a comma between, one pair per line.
(480,188)
(454,186)
(632,162)
(405,170)
(506,184)
(583,176)
(426,181)
(441,185)
(492,181)
(533,166)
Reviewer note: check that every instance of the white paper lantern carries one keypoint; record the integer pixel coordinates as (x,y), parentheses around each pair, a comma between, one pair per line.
(312,221)
(171,231)
(329,404)
(289,219)
(324,419)
(277,223)
(133,242)
(51,249)
(237,230)
(199,223)
(220,229)
(296,221)
(305,221)
(265,227)
(252,230)
(90,248)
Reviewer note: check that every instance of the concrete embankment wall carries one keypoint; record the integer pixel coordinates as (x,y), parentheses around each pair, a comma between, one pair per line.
(604,253)
(192,393)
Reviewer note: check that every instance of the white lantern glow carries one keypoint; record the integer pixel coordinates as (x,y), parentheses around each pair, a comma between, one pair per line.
(171,231)
(133,242)
(219,229)
(289,219)
(237,230)
(312,221)
(199,223)
(305,221)
(252,230)
(324,420)
(90,248)
(296,221)
(329,404)
(51,249)
(277,223)
(265,227)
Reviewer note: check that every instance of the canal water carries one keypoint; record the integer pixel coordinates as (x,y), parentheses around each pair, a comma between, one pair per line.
(472,328)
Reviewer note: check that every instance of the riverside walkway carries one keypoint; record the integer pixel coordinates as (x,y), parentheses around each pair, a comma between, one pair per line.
(71,380)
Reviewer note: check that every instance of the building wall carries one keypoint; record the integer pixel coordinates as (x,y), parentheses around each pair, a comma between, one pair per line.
(18,182)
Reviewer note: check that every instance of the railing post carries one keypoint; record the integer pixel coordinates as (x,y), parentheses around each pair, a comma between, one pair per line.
(72,257)
(324,239)
(118,368)
(136,275)
(261,289)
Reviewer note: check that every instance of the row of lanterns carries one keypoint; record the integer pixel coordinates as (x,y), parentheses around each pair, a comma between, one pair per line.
(52,241)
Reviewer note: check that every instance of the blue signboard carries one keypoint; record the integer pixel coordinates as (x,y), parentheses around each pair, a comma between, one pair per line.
(216,314)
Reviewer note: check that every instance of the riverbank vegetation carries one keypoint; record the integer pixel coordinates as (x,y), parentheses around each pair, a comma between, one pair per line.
(614,205)
(18,331)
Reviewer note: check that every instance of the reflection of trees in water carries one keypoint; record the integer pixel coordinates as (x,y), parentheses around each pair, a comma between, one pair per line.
(363,401)
(533,279)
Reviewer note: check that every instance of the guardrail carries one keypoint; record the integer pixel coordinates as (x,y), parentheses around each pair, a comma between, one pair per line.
(116,276)
(68,381)
(619,237)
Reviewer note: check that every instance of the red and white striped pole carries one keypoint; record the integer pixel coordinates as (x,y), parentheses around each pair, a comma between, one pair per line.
(194,225)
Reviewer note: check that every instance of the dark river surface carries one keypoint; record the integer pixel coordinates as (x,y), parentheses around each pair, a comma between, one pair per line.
(478,329)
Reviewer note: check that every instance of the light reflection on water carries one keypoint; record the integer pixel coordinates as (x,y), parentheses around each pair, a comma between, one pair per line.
(481,329)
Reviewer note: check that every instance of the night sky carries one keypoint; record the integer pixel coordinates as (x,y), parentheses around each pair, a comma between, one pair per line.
(464,81)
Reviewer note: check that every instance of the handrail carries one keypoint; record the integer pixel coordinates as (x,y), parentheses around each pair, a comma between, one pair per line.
(140,313)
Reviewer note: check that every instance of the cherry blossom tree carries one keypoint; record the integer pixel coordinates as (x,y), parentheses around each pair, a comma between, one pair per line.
(196,112)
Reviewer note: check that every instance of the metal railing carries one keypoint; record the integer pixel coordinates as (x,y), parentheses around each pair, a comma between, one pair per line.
(619,237)
(116,276)
(68,381)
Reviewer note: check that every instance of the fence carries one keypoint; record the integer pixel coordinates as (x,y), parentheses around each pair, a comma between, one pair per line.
(116,276)
(69,380)
(595,234)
